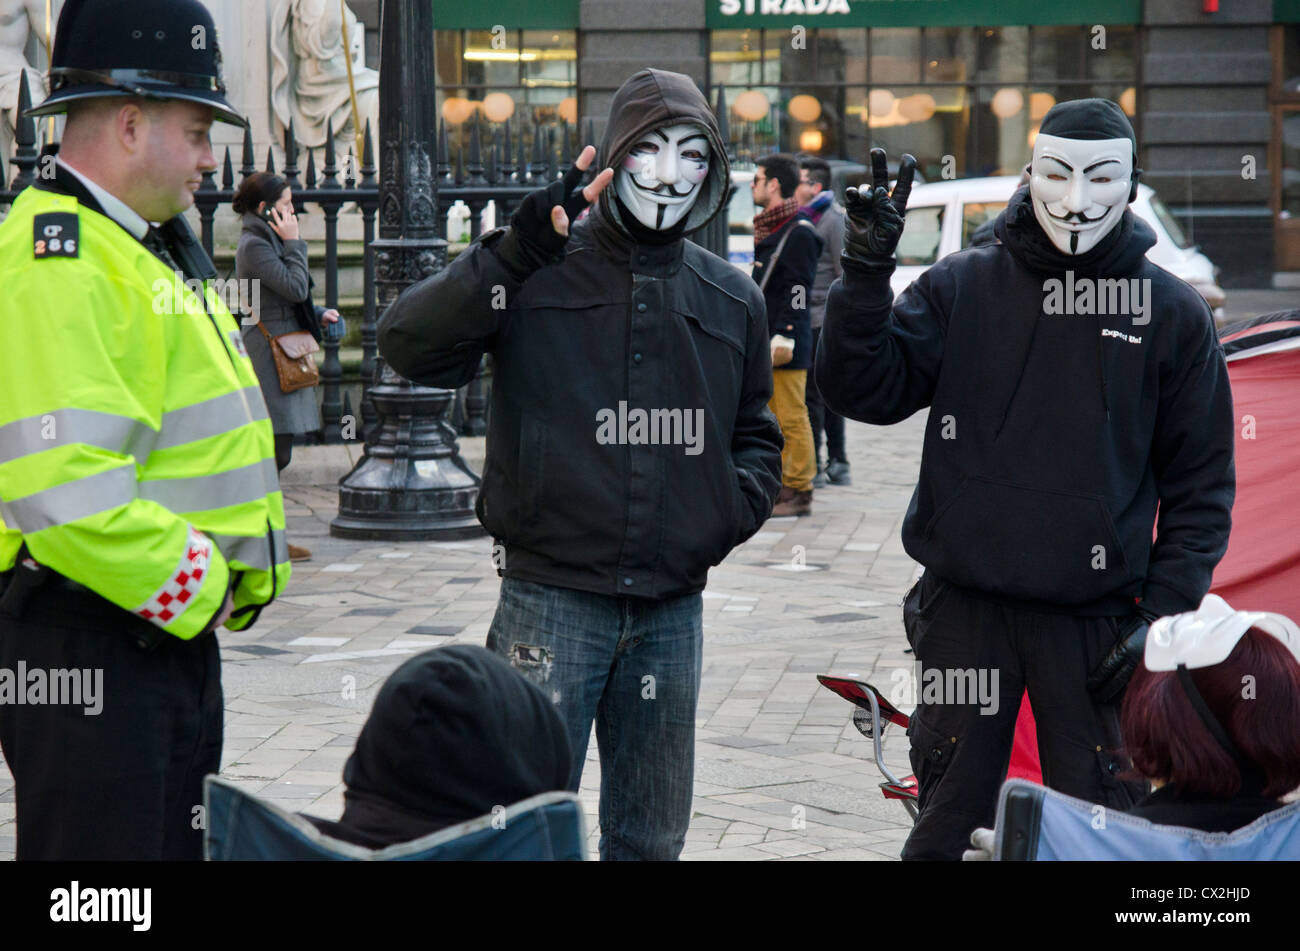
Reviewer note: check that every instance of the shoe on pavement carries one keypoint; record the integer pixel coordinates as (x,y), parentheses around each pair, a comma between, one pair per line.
(298,553)
(819,480)
(793,502)
(837,471)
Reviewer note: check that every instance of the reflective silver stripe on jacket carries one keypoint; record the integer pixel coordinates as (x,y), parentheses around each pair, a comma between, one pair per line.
(200,493)
(221,414)
(65,503)
(66,427)
(251,550)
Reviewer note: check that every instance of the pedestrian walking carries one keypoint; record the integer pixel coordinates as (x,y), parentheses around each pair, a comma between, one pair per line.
(817,201)
(272,254)
(1055,434)
(786,250)
(630,446)
(139,505)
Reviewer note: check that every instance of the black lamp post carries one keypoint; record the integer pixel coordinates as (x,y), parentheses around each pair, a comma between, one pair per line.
(412,483)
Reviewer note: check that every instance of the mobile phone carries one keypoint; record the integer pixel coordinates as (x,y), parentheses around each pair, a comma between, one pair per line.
(335,331)
(268,214)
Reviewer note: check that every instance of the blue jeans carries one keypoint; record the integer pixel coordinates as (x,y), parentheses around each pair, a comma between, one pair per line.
(634,667)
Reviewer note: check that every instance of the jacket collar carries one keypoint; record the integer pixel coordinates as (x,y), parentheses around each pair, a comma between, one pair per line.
(652,260)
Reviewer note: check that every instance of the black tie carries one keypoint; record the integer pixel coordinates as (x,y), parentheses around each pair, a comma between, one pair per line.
(155,243)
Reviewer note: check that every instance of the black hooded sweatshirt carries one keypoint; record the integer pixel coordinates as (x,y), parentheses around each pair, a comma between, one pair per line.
(454,732)
(599,356)
(1052,436)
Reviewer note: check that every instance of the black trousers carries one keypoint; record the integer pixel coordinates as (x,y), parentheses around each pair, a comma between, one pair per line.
(961,744)
(126,782)
(822,418)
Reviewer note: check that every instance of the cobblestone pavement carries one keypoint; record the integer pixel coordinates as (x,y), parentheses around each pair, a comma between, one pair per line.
(780,770)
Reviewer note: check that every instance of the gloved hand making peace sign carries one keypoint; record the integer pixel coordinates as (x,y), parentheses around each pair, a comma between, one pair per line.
(874,220)
(539,228)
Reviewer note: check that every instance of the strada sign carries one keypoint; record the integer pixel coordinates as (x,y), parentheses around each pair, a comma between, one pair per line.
(738,14)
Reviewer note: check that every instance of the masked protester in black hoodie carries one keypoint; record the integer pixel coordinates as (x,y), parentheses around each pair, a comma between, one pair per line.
(630,446)
(1073,387)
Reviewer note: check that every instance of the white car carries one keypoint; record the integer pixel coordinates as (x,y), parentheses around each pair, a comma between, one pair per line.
(942,216)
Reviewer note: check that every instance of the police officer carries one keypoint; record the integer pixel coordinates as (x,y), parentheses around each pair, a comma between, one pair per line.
(139,503)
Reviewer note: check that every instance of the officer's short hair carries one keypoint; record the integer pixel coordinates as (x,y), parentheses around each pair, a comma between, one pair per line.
(89,110)
(783,167)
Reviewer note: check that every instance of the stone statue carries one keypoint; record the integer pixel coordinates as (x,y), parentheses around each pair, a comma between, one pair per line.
(22,24)
(309,75)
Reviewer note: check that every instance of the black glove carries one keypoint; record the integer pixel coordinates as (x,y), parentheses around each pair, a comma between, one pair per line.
(1106,684)
(874,220)
(532,241)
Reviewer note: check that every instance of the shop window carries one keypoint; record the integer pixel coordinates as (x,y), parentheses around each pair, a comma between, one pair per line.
(1057,52)
(485,65)
(549,58)
(1116,60)
(1002,54)
(895,55)
(948,54)
(736,57)
(1290,60)
(841,56)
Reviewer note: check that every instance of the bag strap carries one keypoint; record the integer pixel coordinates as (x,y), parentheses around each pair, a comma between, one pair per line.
(776,255)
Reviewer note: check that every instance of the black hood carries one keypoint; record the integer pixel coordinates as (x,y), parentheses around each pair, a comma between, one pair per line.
(655,97)
(454,732)
(1119,252)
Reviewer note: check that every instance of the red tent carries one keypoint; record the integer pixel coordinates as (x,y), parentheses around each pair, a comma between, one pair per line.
(1261,570)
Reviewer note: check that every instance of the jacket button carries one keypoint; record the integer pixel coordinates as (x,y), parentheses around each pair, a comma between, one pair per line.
(640,308)
(636,358)
(627,582)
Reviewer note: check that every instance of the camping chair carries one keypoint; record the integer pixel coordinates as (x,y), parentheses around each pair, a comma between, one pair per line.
(1036,824)
(240,827)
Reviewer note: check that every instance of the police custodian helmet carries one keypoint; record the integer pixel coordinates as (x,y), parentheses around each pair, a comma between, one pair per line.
(157,49)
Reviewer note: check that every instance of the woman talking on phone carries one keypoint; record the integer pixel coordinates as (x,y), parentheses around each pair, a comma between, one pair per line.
(272,254)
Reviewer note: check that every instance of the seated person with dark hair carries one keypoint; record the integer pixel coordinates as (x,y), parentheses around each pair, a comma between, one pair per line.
(1220,739)
(1211,717)
(454,732)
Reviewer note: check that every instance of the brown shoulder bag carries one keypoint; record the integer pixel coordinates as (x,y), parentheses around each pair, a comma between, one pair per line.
(293,362)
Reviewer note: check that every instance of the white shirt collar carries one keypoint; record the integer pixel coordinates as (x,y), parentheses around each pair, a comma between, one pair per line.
(113,207)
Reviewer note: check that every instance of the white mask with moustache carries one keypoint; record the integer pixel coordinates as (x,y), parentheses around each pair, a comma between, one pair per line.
(1080,188)
(660,178)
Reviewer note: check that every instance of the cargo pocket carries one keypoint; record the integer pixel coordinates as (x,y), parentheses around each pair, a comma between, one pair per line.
(922,604)
(930,755)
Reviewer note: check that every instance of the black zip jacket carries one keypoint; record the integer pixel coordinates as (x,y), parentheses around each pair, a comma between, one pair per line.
(788,295)
(578,495)
(1051,437)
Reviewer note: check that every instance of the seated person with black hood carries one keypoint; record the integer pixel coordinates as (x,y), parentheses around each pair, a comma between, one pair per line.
(454,732)
(1074,388)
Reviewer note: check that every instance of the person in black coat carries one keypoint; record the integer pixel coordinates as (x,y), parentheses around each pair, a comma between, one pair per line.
(272,254)
(1075,389)
(786,250)
(630,447)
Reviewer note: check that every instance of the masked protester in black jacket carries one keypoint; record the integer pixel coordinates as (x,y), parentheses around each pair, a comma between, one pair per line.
(1073,387)
(629,447)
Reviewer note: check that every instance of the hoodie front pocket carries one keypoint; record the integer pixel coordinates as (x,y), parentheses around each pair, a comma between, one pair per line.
(1023,542)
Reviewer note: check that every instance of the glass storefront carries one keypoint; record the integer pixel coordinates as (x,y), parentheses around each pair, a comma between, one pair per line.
(974,94)
(528,77)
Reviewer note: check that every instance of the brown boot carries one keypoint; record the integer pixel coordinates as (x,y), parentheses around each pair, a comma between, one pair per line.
(793,502)
(298,553)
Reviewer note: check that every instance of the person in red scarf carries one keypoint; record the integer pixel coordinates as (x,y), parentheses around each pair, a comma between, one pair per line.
(786,249)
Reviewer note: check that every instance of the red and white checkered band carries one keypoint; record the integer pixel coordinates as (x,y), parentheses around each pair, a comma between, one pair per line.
(170,601)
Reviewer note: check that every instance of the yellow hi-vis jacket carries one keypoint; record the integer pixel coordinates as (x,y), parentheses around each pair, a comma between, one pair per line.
(136,454)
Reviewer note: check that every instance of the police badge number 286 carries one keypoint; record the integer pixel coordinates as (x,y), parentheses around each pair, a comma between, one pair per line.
(56,235)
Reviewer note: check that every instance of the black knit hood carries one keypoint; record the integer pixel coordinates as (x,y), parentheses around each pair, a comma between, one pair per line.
(454,732)
(652,98)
